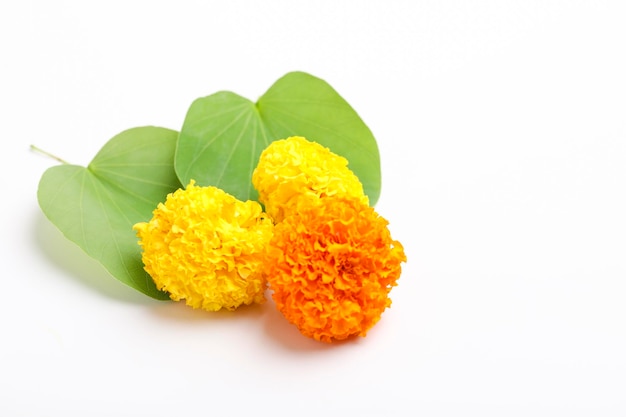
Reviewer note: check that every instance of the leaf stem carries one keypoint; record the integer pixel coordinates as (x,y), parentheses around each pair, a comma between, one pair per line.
(48,154)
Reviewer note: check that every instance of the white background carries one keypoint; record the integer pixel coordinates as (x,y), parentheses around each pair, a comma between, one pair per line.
(502,131)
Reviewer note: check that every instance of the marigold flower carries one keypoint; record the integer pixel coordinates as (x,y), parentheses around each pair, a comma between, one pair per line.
(205,246)
(331,268)
(294,173)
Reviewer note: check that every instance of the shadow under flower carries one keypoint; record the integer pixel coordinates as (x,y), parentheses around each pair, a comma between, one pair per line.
(68,257)
(180,312)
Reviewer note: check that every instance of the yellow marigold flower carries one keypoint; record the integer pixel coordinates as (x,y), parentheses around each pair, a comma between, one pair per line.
(205,246)
(331,268)
(294,173)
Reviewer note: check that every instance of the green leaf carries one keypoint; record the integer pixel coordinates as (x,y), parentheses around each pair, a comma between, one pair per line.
(96,207)
(223,134)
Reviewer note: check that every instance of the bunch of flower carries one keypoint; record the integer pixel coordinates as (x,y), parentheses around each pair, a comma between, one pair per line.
(327,256)
(331,262)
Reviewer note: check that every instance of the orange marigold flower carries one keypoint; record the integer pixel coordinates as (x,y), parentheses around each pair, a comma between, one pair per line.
(294,173)
(205,246)
(331,268)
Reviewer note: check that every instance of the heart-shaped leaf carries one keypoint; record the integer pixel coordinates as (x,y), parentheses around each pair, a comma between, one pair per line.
(223,134)
(96,207)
